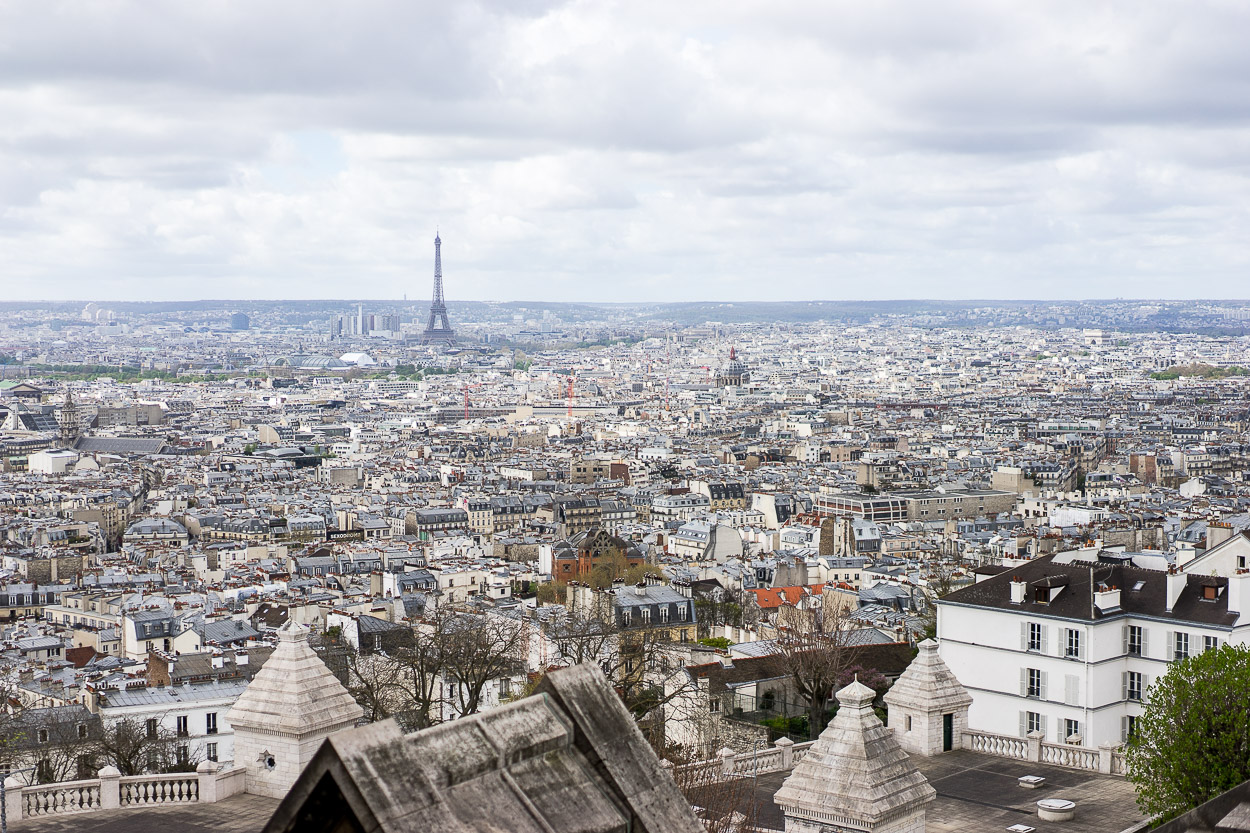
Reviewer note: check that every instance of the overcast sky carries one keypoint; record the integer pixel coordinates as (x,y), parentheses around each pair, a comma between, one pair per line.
(640,150)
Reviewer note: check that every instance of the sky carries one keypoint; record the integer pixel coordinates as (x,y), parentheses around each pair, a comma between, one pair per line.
(644,150)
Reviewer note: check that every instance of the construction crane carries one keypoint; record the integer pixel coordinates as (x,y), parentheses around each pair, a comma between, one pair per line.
(570,395)
(466,390)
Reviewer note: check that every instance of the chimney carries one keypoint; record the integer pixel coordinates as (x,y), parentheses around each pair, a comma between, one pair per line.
(240,657)
(1218,533)
(1017,590)
(1106,598)
(640,589)
(1176,583)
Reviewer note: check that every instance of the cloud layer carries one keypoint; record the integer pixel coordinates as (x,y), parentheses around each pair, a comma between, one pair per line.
(638,150)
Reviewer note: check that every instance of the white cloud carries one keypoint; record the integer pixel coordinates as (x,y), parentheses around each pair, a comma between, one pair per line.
(624,151)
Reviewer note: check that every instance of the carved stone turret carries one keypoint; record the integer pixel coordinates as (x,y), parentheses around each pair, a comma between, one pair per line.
(287,710)
(855,777)
(928,707)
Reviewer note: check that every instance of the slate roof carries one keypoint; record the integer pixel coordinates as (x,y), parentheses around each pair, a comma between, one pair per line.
(1076,599)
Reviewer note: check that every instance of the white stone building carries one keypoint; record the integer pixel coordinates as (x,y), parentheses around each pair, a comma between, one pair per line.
(1068,645)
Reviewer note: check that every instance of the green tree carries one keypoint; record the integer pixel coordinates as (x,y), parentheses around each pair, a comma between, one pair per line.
(1193,739)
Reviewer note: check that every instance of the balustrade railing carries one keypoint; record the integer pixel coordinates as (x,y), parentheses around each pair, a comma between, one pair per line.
(112,790)
(174,788)
(1001,746)
(59,798)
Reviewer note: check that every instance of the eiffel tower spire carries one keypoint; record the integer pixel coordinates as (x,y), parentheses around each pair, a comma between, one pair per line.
(438,329)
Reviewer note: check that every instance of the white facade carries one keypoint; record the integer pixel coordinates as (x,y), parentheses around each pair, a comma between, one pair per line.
(196,714)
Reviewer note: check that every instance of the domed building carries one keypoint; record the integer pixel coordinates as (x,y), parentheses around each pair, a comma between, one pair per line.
(735,372)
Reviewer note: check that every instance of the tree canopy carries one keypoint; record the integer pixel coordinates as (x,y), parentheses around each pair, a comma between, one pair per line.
(1192,741)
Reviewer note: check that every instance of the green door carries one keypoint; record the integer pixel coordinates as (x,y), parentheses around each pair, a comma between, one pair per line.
(948,732)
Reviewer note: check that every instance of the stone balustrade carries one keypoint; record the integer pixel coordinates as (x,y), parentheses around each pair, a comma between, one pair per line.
(111,790)
(785,753)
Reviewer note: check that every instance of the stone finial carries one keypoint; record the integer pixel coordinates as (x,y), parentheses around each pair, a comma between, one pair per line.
(856,696)
(292,631)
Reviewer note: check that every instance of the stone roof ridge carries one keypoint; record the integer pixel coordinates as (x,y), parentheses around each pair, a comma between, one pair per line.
(928,684)
(856,771)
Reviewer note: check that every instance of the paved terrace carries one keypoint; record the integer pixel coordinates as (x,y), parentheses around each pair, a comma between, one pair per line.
(979,792)
(976,792)
(237,814)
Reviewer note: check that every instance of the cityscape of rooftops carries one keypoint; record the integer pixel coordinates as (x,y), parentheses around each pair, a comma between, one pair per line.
(567,416)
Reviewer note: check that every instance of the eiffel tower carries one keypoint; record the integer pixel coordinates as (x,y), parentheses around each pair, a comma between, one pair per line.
(438,330)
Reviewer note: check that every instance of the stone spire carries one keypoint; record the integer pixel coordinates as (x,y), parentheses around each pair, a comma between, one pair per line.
(928,706)
(286,711)
(855,776)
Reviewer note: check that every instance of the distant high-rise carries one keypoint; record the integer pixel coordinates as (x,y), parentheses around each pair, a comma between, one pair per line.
(240,321)
(438,330)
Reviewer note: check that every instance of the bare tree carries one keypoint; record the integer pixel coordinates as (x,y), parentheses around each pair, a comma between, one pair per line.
(723,803)
(136,747)
(818,648)
(478,648)
(420,670)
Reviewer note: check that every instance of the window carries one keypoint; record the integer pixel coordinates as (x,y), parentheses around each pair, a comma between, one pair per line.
(1035,637)
(184,754)
(210,751)
(43,735)
(1036,685)
(1033,723)
(1180,645)
(646,616)
(683,613)
(1210,643)
(82,730)
(666,613)
(1133,685)
(181,724)
(151,726)
(626,617)
(1135,642)
(1130,727)
(908,724)
(1071,730)
(210,723)
(1073,647)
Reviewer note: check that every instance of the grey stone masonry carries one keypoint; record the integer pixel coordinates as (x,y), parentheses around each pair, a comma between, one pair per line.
(855,777)
(919,701)
(291,706)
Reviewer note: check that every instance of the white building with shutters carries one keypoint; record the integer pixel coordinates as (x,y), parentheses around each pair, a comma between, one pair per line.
(1068,645)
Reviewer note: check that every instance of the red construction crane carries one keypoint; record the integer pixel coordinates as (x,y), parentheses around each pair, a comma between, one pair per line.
(466,390)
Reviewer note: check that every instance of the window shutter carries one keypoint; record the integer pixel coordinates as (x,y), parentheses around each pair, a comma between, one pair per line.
(1124,728)
(1071,690)
(1024,682)
(1124,633)
(1144,634)
(1045,632)
(1080,730)
(1080,645)
(1024,723)
(1024,636)
(1042,688)
(1042,725)
(1123,685)
(1169,647)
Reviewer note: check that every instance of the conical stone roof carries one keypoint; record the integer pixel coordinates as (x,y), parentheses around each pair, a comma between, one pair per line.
(294,693)
(928,685)
(855,772)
